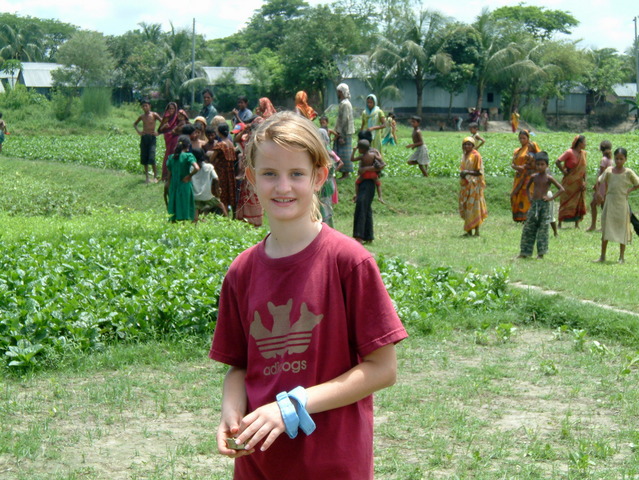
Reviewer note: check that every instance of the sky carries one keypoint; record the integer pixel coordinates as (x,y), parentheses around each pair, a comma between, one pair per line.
(603,23)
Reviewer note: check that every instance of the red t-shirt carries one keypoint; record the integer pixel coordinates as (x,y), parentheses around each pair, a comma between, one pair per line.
(303,320)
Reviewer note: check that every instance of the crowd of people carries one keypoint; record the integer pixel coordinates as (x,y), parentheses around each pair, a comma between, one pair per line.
(222,186)
(532,199)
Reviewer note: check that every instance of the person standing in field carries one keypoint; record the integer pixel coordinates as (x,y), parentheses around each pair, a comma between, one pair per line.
(539,216)
(305,324)
(599,195)
(524,166)
(223,159)
(242,113)
(344,129)
(472,205)
(148,138)
(302,107)
(208,110)
(514,120)
(420,156)
(167,128)
(373,120)
(391,130)
(473,128)
(573,165)
(615,218)
(3,131)
(182,166)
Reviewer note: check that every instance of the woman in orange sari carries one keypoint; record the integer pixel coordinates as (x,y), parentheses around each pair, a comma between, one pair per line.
(524,166)
(302,107)
(572,164)
(472,205)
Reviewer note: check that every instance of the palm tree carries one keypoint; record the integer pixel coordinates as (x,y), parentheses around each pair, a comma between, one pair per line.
(495,53)
(21,44)
(416,51)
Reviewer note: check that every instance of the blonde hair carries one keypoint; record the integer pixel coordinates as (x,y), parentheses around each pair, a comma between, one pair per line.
(295,133)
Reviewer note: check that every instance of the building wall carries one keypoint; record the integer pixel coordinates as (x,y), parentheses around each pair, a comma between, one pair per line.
(434,99)
(571,104)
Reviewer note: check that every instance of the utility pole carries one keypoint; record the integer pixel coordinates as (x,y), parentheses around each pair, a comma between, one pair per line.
(193,61)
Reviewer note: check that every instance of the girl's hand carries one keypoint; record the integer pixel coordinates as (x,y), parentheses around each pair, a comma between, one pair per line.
(229,429)
(265,423)
(186,179)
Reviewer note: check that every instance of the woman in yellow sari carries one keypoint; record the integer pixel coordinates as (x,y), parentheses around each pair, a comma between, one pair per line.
(524,166)
(572,164)
(472,205)
(374,121)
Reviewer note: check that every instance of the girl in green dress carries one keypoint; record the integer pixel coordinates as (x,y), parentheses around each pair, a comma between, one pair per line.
(181,166)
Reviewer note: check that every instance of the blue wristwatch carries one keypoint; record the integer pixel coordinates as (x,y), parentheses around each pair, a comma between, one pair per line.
(305,421)
(289,415)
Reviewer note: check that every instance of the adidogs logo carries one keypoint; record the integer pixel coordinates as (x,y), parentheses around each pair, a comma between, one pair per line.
(285,336)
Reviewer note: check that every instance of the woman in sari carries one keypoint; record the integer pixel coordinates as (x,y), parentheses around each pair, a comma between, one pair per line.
(249,207)
(524,166)
(373,120)
(302,107)
(472,205)
(223,159)
(572,164)
(167,125)
(265,108)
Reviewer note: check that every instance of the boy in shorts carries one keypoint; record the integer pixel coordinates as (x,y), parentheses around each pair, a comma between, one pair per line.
(420,155)
(148,137)
(369,157)
(540,212)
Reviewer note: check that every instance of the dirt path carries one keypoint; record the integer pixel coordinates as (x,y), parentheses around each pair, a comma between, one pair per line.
(543,291)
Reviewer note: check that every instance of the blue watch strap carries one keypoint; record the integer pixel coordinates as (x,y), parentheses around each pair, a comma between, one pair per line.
(289,415)
(306,422)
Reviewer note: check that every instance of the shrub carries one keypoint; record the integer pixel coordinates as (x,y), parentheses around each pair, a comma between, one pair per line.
(534,116)
(64,105)
(96,101)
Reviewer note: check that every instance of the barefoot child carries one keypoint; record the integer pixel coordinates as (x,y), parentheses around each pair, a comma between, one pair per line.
(538,218)
(473,127)
(391,130)
(615,218)
(3,131)
(182,166)
(305,324)
(369,157)
(599,195)
(420,155)
(148,138)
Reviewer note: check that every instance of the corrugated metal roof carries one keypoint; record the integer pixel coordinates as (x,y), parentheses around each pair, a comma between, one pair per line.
(242,75)
(625,90)
(38,74)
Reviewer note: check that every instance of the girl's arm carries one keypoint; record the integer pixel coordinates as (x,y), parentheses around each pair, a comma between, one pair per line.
(376,371)
(234,405)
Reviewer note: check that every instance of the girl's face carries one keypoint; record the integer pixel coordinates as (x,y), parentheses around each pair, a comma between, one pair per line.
(467,147)
(523,139)
(620,159)
(323,122)
(285,182)
(607,152)
(171,110)
(371,103)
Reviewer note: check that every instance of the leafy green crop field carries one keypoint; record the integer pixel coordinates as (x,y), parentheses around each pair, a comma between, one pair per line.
(117,151)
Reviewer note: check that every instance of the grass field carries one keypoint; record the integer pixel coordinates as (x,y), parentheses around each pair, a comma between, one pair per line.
(541,387)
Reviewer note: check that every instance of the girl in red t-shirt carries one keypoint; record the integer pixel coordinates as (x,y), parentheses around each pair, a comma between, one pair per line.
(305,324)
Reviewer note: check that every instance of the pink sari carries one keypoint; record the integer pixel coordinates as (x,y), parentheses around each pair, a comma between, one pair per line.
(170,140)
